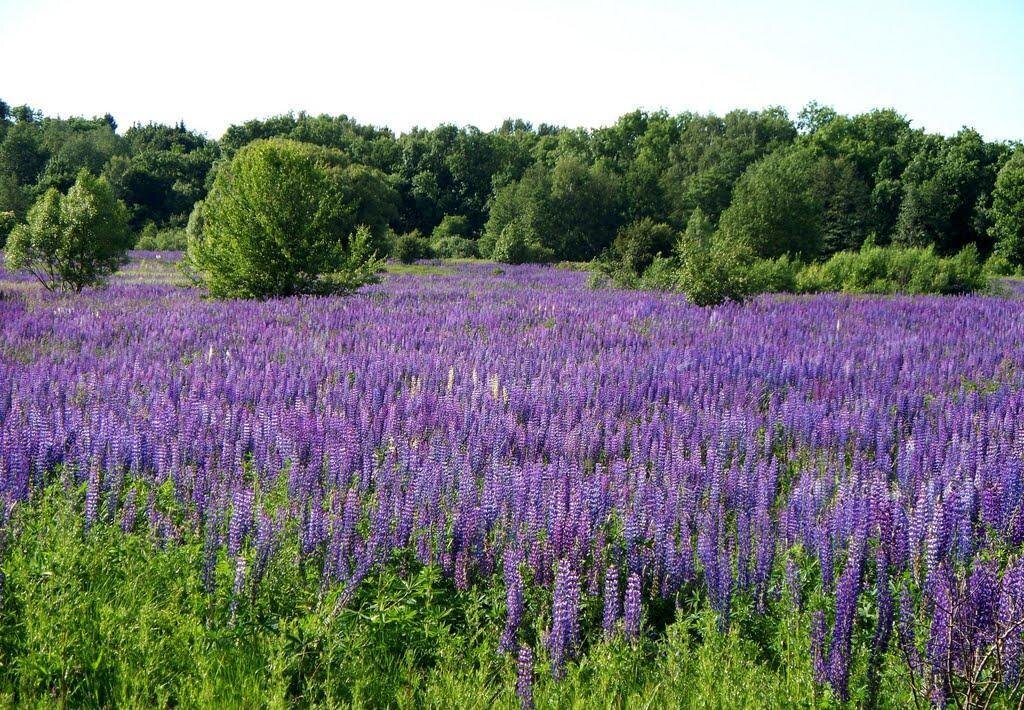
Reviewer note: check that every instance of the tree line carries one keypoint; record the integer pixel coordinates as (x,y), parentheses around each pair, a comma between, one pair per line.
(809,186)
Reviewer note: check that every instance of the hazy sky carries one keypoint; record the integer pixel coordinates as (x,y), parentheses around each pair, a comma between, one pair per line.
(944,63)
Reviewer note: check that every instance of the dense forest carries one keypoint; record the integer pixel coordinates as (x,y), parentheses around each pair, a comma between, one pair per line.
(811,186)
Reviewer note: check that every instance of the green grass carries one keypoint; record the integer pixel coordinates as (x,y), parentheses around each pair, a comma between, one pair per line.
(103,618)
(427,269)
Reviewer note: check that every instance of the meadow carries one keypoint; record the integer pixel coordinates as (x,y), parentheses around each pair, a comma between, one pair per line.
(472,486)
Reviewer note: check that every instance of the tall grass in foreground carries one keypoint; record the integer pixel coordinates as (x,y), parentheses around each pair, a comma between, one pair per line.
(108,618)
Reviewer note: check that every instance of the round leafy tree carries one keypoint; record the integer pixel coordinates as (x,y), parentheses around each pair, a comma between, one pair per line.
(75,240)
(284,218)
(1008,210)
(637,244)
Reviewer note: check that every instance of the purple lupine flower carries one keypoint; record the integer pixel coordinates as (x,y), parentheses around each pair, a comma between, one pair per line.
(128,512)
(818,632)
(513,600)
(612,603)
(847,593)
(793,585)
(524,676)
(92,494)
(239,585)
(1010,622)
(564,634)
(632,606)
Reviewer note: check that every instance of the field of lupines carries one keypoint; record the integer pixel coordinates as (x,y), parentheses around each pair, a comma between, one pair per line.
(618,456)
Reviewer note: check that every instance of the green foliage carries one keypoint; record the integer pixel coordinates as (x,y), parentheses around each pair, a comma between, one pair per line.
(281,220)
(808,188)
(412,246)
(454,248)
(636,245)
(518,243)
(98,617)
(775,209)
(945,189)
(7,222)
(893,269)
(452,225)
(712,152)
(74,240)
(998,265)
(777,275)
(713,266)
(164,175)
(1007,228)
(196,221)
(570,209)
(153,239)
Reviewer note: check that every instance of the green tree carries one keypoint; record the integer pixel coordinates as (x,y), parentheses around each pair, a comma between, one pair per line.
(637,244)
(452,225)
(585,208)
(22,153)
(278,222)
(527,199)
(711,154)
(1007,229)
(518,243)
(713,267)
(164,174)
(946,190)
(775,208)
(7,223)
(75,240)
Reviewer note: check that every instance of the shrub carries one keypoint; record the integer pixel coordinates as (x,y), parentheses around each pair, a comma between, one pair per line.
(774,275)
(661,275)
(893,269)
(152,239)
(7,222)
(998,264)
(452,225)
(636,245)
(519,244)
(279,222)
(412,246)
(196,221)
(454,248)
(713,269)
(75,240)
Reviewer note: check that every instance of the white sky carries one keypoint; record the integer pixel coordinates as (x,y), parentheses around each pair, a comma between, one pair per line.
(944,63)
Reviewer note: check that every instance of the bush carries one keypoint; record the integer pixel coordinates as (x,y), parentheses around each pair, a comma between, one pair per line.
(999,265)
(519,244)
(452,225)
(774,275)
(636,245)
(454,248)
(75,240)
(152,239)
(412,246)
(661,275)
(713,272)
(279,221)
(7,222)
(196,221)
(893,269)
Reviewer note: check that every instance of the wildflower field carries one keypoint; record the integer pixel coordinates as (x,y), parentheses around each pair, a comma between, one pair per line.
(480,487)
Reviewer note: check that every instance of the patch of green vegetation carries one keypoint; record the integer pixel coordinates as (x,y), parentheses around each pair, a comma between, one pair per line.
(417,269)
(100,617)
